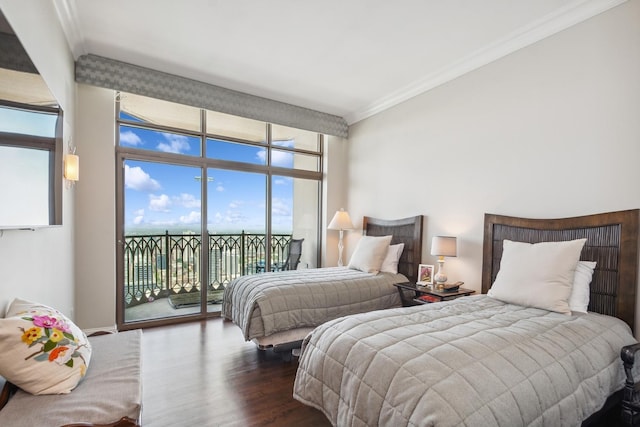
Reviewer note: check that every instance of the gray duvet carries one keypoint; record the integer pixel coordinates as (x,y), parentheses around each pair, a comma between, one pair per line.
(263,304)
(474,361)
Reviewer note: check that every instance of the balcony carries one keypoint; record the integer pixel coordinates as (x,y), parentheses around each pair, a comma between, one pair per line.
(165,269)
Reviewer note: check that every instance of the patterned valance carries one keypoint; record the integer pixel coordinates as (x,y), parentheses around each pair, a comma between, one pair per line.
(112,74)
(13,56)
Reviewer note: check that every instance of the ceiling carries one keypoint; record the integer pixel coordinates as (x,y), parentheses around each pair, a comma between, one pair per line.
(351,58)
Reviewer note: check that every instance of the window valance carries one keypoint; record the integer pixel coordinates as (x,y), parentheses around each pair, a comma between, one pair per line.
(108,73)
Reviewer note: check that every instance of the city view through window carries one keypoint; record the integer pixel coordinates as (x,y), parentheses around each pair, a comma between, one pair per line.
(257,185)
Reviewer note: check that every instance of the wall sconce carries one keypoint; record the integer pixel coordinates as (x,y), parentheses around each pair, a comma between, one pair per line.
(71,167)
(340,221)
(442,246)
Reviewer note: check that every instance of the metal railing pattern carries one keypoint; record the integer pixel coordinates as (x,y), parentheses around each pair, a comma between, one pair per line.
(158,265)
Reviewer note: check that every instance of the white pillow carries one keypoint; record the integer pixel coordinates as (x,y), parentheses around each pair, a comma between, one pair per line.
(580,291)
(370,253)
(43,352)
(390,261)
(537,275)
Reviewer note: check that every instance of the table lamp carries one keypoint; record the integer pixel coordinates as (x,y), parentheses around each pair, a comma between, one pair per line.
(442,246)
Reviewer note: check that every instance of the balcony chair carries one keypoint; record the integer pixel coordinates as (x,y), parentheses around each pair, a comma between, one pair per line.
(293,257)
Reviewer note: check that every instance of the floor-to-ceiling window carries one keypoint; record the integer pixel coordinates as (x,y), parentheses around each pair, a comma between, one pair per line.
(205,197)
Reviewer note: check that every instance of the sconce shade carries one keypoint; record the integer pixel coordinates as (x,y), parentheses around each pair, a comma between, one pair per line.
(72,167)
(444,246)
(341,221)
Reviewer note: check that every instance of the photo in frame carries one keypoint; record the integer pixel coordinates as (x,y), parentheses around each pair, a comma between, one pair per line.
(425,274)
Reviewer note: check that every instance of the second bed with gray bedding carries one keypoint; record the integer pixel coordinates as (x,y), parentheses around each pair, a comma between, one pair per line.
(264,304)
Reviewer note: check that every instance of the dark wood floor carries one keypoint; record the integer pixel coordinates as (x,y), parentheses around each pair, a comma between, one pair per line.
(204,374)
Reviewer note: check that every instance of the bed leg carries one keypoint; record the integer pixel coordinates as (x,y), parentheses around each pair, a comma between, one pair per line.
(631,398)
(286,356)
(287,350)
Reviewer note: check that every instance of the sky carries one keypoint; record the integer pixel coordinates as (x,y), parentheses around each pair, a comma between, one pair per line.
(27,122)
(26,201)
(162,196)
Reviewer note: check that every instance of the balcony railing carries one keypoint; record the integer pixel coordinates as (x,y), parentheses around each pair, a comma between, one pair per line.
(158,265)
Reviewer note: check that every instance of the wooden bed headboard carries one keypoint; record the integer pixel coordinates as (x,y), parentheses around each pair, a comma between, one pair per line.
(407,231)
(612,241)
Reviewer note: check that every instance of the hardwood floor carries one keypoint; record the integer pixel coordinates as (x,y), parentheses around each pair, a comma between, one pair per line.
(204,374)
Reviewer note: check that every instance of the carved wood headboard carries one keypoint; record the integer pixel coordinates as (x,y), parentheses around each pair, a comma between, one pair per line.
(612,241)
(407,231)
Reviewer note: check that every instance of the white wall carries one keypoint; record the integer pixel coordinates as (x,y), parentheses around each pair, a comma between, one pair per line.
(334,197)
(95,209)
(552,130)
(38,265)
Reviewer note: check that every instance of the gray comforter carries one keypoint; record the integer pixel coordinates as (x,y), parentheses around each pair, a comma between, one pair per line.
(263,304)
(474,361)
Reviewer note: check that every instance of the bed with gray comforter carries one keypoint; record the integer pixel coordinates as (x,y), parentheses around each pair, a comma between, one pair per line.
(263,304)
(474,361)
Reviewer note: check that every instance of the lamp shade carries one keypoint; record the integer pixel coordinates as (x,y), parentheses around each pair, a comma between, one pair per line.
(341,221)
(72,167)
(444,246)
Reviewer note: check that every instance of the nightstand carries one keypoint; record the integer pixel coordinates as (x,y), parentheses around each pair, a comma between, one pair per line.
(431,295)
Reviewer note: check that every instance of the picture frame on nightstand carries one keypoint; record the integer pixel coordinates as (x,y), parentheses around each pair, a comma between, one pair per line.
(425,275)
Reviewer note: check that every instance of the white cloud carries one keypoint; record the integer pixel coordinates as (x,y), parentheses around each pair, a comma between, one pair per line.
(163,223)
(139,216)
(175,143)
(192,218)
(235,204)
(289,143)
(278,158)
(186,200)
(281,181)
(220,188)
(234,217)
(281,158)
(160,203)
(129,138)
(137,179)
(280,208)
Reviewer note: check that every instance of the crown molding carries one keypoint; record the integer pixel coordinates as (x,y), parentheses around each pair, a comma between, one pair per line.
(68,16)
(553,23)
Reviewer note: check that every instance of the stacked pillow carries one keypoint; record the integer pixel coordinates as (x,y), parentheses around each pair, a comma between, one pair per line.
(375,253)
(43,351)
(369,253)
(580,291)
(390,262)
(542,275)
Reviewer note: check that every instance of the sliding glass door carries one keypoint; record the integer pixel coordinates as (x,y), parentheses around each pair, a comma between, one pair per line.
(162,240)
(236,228)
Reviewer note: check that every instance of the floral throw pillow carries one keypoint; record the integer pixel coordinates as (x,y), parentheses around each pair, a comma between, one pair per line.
(43,352)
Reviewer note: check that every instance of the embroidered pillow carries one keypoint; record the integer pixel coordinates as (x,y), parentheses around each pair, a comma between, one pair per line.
(43,352)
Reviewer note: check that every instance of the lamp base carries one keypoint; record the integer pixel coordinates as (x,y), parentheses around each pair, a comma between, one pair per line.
(340,249)
(440,278)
